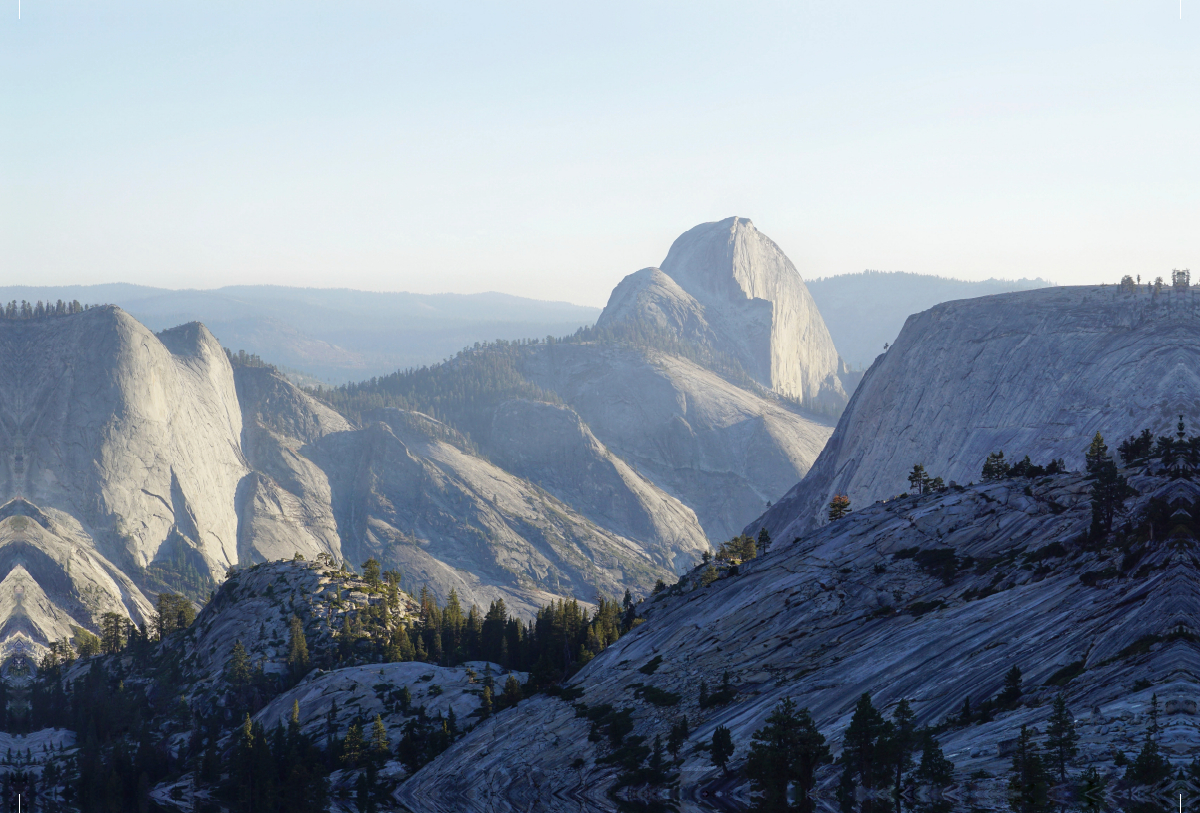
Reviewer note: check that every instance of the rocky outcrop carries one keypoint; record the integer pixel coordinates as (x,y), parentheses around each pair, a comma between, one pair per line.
(1033,373)
(722,450)
(728,286)
(930,599)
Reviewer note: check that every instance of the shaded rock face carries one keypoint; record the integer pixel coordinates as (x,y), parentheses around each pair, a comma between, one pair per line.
(930,599)
(728,286)
(1033,373)
(720,449)
(407,495)
(551,445)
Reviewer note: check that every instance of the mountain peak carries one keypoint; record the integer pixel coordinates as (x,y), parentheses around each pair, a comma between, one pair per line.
(728,285)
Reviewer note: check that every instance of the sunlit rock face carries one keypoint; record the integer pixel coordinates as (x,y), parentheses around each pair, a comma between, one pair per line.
(1033,373)
(133,435)
(728,286)
(134,462)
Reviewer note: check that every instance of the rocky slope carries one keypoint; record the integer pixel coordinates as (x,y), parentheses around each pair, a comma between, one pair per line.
(729,286)
(931,599)
(1033,373)
(135,463)
(721,449)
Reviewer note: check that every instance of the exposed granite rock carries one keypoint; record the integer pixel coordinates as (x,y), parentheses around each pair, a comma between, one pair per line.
(404,493)
(1033,373)
(549,444)
(728,286)
(133,435)
(722,450)
(848,609)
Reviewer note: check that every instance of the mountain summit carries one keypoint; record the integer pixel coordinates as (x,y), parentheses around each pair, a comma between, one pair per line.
(728,286)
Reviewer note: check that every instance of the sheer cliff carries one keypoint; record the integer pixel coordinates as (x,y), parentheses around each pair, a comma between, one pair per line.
(730,287)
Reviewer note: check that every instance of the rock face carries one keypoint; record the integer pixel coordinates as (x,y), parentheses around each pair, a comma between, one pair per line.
(551,445)
(133,435)
(1033,373)
(728,286)
(407,495)
(932,599)
(721,449)
(135,462)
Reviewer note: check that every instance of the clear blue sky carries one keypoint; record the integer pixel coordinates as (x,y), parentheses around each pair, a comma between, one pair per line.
(549,149)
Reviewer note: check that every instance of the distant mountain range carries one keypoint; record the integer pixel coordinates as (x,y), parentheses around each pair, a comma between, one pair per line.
(332,335)
(867,309)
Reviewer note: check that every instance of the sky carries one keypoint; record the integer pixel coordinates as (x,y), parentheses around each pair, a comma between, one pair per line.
(549,149)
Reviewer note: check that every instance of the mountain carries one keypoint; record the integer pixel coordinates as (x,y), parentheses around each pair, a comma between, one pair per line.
(1034,373)
(137,463)
(332,335)
(930,599)
(705,386)
(864,311)
(728,286)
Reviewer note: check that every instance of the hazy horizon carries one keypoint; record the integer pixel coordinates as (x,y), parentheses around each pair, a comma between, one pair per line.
(547,151)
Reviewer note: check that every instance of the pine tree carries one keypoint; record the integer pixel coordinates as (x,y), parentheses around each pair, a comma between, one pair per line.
(935,770)
(994,468)
(1096,453)
(485,706)
(722,747)
(917,479)
(839,506)
(1028,782)
(352,746)
(1061,738)
(787,750)
(677,737)
(512,692)
(1149,767)
(297,658)
(1011,692)
(864,744)
(902,740)
(238,668)
(380,748)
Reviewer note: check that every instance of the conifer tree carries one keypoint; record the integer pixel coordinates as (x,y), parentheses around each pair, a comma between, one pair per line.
(1061,738)
(1096,453)
(935,770)
(512,692)
(677,737)
(839,506)
(380,747)
(297,659)
(352,746)
(864,745)
(722,747)
(1149,767)
(902,741)
(1011,692)
(485,706)
(1028,782)
(238,668)
(787,750)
